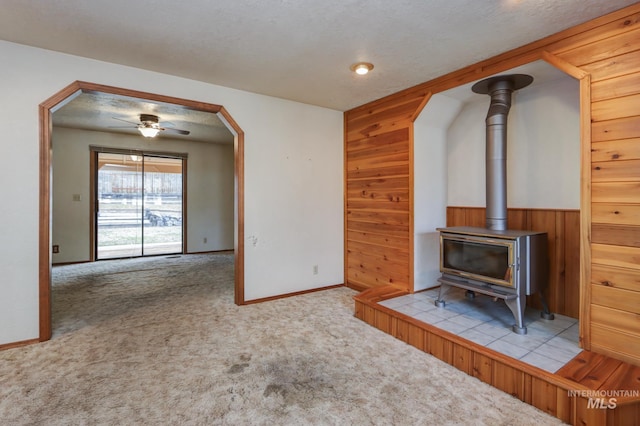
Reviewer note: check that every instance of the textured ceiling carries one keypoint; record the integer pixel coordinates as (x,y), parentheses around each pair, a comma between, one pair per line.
(106,112)
(294,49)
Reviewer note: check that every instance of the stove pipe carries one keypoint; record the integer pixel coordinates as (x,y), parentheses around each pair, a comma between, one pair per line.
(500,89)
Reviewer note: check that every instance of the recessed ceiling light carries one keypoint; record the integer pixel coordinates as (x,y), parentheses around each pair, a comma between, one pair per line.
(361,68)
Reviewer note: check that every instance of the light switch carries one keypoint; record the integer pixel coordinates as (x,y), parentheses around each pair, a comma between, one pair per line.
(77,197)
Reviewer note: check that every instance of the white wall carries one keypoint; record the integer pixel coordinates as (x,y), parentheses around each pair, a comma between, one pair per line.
(209,189)
(543,149)
(210,197)
(293,178)
(430,186)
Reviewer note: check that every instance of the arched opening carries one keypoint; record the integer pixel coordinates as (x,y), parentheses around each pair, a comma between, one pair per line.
(60,99)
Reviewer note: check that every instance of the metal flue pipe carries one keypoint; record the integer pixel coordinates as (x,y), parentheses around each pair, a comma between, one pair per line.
(500,89)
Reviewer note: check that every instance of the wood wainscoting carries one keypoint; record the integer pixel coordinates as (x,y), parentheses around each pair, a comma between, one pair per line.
(563,232)
(565,394)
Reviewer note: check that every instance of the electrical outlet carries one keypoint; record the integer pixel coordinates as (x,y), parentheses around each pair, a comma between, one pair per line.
(56,248)
(204,240)
(315,269)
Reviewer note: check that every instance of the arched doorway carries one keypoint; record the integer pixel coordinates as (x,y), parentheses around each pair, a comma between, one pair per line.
(58,100)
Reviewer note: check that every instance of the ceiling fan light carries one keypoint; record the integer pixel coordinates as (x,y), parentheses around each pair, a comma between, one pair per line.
(149,132)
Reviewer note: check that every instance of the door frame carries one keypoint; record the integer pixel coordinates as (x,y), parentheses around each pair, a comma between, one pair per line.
(61,98)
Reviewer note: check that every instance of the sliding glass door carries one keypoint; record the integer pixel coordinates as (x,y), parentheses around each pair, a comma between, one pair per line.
(138,205)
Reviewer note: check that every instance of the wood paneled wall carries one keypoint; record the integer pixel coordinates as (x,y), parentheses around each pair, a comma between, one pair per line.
(378,194)
(605,55)
(613,62)
(563,232)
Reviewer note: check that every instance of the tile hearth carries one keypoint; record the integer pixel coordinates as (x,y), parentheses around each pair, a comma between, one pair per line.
(548,344)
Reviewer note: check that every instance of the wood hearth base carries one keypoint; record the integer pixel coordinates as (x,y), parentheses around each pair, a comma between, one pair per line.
(565,394)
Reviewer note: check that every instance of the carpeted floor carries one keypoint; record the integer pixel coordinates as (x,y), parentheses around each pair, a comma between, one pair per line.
(159,341)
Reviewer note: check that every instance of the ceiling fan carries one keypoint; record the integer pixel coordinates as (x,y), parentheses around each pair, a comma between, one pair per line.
(150,126)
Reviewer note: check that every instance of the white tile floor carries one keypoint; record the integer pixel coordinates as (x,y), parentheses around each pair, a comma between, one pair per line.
(548,345)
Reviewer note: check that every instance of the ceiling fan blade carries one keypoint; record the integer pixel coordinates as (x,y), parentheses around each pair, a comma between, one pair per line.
(172,130)
(126,121)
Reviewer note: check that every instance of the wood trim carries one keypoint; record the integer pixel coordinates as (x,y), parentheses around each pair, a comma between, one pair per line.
(585,212)
(65,95)
(209,252)
(239,249)
(295,293)
(44,220)
(141,152)
(355,286)
(564,66)
(528,209)
(93,195)
(44,235)
(238,213)
(345,196)
(412,197)
(13,345)
(87,87)
(418,110)
(71,263)
(185,195)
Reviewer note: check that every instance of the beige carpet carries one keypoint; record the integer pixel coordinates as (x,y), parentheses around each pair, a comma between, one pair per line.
(159,341)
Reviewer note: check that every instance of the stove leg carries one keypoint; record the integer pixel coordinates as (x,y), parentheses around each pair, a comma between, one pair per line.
(517,305)
(444,289)
(546,313)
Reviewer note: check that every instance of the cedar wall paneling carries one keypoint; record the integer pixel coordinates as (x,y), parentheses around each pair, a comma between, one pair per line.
(613,63)
(563,232)
(605,54)
(378,192)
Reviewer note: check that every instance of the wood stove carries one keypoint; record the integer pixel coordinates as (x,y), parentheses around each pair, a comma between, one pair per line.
(501,263)
(509,265)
